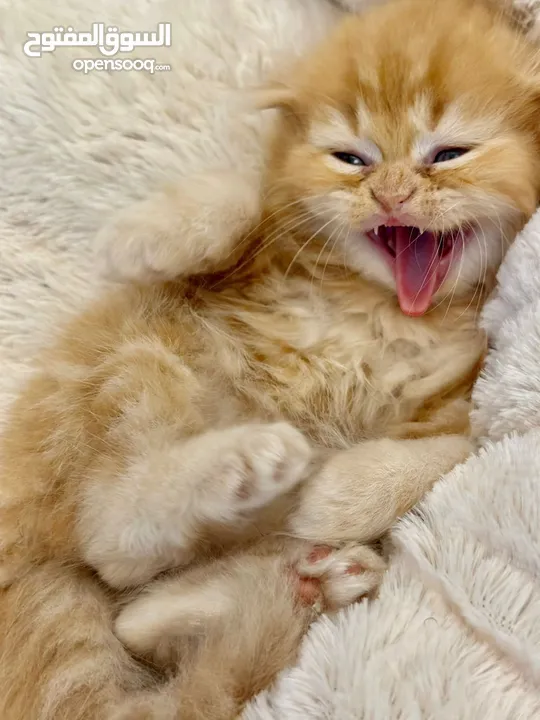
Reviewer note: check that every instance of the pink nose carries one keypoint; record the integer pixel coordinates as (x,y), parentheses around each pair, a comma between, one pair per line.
(392,200)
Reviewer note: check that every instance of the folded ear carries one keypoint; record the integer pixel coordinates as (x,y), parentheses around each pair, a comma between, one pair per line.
(275,95)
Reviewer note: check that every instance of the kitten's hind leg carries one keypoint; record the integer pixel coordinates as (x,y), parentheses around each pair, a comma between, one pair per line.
(226,630)
(152,516)
(232,626)
(175,611)
(200,600)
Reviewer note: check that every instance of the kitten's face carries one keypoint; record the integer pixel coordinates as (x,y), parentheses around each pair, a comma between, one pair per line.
(409,143)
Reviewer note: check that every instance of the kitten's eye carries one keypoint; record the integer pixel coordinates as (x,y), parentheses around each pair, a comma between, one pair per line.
(349,158)
(449,154)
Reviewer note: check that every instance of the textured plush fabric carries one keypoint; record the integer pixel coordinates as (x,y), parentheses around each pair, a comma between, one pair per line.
(455,632)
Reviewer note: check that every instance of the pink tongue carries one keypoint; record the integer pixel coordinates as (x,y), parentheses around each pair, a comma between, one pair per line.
(417,262)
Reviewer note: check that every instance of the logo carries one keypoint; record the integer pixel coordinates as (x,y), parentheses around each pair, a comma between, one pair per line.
(107,39)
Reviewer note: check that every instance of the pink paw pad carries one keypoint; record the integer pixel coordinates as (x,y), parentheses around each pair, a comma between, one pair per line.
(309,590)
(319,552)
(355,569)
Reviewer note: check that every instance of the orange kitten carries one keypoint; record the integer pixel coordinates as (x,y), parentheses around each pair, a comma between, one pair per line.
(247,430)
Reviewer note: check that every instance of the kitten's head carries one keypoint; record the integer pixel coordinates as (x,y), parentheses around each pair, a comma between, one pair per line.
(410,142)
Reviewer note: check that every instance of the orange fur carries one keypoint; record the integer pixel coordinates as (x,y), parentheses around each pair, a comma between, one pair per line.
(223,423)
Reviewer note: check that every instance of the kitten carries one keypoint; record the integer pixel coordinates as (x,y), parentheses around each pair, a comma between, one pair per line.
(256,422)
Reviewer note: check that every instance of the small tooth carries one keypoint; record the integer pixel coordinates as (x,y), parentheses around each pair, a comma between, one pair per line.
(376,231)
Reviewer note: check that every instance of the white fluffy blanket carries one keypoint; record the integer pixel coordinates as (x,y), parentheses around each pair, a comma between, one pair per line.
(455,632)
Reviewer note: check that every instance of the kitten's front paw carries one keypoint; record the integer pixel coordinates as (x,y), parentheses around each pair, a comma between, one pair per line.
(330,579)
(193,227)
(266,461)
(138,244)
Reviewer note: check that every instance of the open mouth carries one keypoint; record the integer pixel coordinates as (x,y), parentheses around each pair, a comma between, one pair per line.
(420,260)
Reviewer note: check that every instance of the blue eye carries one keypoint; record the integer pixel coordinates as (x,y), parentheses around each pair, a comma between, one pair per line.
(349,158)
(449,154)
